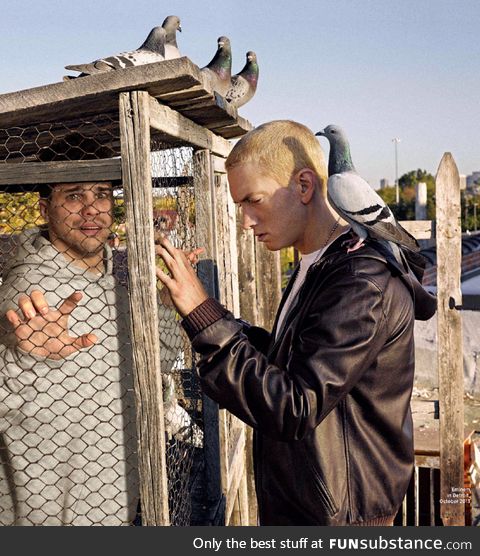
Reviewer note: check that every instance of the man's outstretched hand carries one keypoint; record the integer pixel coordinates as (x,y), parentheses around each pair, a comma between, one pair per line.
(43,331)
(185,288)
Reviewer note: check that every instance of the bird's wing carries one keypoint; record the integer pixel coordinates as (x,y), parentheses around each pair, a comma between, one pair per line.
(239,89)
(355,200)
(97,66)
(120,61)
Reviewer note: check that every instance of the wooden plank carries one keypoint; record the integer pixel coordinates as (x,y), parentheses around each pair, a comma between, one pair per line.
(236,467)
(71,171)
(420,229)
(174,125)
(249,312)
(207,273)
(449,333)
(269,288)
(135,139)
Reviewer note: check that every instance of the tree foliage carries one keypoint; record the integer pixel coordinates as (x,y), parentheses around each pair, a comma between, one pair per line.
(19,211)
(406,207)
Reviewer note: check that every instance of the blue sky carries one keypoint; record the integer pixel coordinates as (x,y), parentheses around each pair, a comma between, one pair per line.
(379,68)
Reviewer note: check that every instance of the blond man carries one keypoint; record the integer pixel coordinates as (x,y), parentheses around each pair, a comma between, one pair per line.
(328,391)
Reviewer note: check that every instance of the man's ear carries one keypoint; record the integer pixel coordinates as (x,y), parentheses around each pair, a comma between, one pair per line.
(306,181)
(43,206)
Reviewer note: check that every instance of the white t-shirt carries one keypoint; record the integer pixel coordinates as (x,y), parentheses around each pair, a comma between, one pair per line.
(305,263)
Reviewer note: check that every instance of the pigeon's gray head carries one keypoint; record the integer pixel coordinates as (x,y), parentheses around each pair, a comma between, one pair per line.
(251,56)
(171,24)
(339,159)
(223,43)
(332,133)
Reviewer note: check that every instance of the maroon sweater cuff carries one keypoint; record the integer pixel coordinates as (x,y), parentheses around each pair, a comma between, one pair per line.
(203,316)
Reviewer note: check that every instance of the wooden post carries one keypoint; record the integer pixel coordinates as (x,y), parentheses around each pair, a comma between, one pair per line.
(249,312)
(135,143)
(205,226)
(269,284)
(450,344)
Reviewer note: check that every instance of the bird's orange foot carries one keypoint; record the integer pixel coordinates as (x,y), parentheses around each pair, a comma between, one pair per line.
(354,244)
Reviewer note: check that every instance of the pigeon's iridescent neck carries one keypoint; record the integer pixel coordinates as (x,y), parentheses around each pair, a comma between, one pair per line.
(340,159)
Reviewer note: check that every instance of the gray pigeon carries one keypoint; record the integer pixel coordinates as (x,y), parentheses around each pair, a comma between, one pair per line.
(356,201)
(178,423)
(219,70)
(171,24)
(244,84)
(158,46)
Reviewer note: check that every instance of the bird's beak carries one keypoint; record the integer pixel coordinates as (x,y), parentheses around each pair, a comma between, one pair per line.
(322,133)
(179,28)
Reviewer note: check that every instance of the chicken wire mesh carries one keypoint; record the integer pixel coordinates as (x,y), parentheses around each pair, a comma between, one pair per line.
(68,443)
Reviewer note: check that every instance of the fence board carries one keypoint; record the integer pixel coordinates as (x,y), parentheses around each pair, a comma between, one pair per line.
(450,360)
(135,140)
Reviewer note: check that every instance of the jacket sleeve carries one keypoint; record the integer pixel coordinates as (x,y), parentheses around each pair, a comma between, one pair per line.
(339,338)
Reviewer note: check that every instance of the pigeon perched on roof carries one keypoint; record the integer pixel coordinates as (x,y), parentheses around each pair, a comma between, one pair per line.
(171,24)
(219,70)
(356,201)
(160,45)
(244,84)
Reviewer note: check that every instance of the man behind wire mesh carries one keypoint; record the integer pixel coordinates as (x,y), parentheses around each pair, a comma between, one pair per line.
(67,416)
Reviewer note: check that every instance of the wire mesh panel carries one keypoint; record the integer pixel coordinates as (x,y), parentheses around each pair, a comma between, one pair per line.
(174,216)
(68,442)
(67,420)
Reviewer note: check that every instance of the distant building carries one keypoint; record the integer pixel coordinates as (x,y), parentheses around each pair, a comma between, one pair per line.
(383,183)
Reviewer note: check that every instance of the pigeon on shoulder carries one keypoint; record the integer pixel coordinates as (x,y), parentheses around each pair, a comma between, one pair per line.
(356,201)
(158,46)
(219,70)
(244,84)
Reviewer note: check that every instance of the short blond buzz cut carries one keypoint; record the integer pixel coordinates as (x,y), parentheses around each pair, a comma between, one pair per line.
(281,148)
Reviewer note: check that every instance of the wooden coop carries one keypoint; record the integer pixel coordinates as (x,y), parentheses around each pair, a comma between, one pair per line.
(161,135)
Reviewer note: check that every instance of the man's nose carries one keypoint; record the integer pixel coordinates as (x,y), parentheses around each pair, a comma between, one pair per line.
(247,220)
(90,205)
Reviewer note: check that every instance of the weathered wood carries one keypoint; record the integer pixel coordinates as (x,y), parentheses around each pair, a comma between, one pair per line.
(135,139)
(99,93)
(236,467)
(174,125)
(450,360)
(269,285)
(249,312)
(420,229)
(71,171)
(218,164)
(207,272)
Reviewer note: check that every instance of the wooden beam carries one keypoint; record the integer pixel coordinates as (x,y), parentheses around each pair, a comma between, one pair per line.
(135,140)
(420,229)
(176,126)
(449,333)
(71,171)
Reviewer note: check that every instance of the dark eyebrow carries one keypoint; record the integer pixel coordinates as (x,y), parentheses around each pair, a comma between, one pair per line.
(75,188)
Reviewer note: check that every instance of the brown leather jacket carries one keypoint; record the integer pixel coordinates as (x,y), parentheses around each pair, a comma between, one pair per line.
(330,398)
